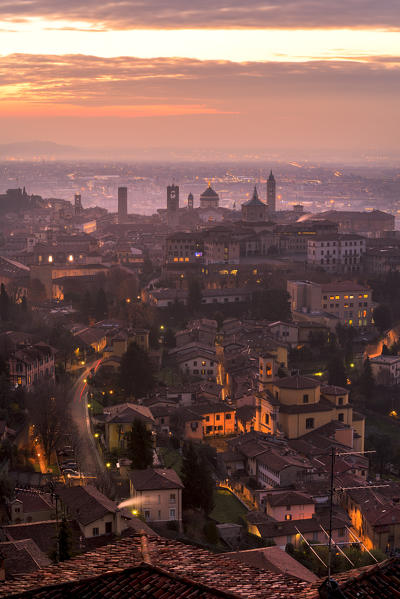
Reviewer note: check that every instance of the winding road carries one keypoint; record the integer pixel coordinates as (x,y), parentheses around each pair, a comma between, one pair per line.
(90,462)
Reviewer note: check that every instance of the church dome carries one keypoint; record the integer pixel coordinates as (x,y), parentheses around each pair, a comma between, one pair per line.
(255,200)
(209,193)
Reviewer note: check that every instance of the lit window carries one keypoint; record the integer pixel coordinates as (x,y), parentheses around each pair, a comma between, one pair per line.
(365,295)
(337,296)
(50,258)
(70,258)
(175,259)
(186,259)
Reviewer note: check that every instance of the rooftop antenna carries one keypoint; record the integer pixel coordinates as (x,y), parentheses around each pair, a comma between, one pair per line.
(332,489)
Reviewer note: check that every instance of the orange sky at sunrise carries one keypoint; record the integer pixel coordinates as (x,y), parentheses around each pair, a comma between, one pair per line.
(275,74)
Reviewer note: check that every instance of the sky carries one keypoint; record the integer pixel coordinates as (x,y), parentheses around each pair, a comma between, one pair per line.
(272,75)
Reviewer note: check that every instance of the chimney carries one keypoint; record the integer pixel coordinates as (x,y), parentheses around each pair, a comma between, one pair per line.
(144,548)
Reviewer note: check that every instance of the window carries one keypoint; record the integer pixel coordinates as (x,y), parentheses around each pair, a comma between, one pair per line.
(288,516)
(147,514)
(315,535)
(95,532)
(218,417)
(194,363)
(209,429)
(108,528)
(309,423)
(305,398)
(341,417)
(195,371)
(172,514)
(340,401)
(228,416)
(207,418)
(172,497)
(266,418)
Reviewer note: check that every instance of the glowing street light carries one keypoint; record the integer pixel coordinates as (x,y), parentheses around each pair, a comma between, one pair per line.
(108,465)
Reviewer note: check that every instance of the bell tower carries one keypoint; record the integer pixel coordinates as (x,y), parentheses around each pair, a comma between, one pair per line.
(266,371)
(271,193)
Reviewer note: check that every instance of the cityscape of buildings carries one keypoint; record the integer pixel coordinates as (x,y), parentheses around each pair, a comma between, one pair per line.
(257,337)
(199,299)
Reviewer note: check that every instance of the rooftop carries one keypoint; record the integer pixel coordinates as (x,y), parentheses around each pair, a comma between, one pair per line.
(154,479)
(199,566)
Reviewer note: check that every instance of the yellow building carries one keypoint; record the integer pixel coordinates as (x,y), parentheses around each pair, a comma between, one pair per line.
(118,423)
(157,494)
(218,419)
(296,405)
(375,516)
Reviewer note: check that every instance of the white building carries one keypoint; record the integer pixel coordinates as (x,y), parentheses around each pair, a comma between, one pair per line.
(336,253)
(386,369)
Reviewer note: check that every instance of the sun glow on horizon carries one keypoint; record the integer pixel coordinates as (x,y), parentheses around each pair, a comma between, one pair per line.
(37,36)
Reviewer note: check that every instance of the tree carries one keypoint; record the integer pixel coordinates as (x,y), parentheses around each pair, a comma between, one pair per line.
(367,382)
(383,317)
(136,371)
(385,350)
(101,307)
(197,480)
(140,446)
(4,303)
(211,532)
(37,292)
(64,541)
(6,490)
(194,295)
(48,411)
(336,371)
(272,304)
(169,338)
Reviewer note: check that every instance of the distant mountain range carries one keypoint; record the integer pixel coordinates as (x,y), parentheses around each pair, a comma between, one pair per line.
(31,150)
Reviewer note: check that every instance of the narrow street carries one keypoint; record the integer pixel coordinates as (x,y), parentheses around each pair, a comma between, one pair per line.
(89,459)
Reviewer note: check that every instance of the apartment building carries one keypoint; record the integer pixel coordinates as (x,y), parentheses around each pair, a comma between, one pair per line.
(336,253)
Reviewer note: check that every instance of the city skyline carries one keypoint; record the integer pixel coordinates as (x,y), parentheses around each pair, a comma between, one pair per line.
(273,76)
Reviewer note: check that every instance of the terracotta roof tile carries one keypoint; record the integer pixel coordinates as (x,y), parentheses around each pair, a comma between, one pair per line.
(198,565)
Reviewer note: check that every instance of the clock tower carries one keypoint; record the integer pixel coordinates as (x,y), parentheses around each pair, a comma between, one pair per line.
(172,198)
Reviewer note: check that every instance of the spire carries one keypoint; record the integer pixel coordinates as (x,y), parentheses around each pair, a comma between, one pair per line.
(255,193)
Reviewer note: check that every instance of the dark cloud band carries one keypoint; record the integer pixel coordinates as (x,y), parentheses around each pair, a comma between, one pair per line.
(127,14)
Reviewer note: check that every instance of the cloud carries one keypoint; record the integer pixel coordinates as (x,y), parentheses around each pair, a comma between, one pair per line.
(126,14)
(176,102)
(211,86)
